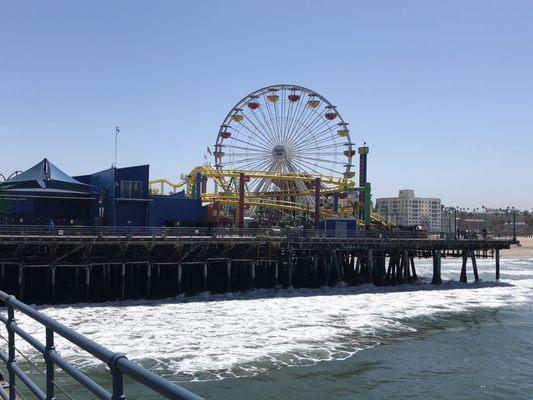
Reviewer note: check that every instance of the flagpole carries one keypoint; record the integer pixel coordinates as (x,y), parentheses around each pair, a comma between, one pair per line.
(117,130)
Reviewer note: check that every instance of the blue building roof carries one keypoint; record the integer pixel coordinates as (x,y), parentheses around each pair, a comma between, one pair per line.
(45,180)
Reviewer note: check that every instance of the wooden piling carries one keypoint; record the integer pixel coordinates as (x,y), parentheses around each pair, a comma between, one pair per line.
(77,278)
(289,277)
(370,265)
(315,269)
(108,280)
(180,270)
(123,281)
(497,264)
(389,268)
(413,268)
(463,277)
(21,282)
(228,275)
(437,280)
(53,281)
(405,261)
(252,274)
(204,281)
(87,282)
(276,274)
(148,278)
(338,274)
(474,266)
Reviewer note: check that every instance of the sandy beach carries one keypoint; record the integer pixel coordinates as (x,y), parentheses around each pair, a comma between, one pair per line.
(525,250)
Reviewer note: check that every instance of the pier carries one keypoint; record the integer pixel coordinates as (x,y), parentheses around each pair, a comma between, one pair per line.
(70,264)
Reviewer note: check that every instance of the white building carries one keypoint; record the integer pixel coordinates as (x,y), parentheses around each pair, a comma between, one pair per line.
(408,210)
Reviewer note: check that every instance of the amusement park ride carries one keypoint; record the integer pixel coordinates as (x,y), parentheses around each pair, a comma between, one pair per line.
(283,157)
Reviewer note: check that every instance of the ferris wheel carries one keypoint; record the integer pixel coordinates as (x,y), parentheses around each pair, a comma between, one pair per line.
(284,130)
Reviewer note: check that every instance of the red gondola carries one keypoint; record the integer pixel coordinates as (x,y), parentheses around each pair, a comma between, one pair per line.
(330,115)
(225,135)
(253,105)
(294,97)
(349,153)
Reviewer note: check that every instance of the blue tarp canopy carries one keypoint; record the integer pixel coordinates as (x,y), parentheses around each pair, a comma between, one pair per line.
(45,180)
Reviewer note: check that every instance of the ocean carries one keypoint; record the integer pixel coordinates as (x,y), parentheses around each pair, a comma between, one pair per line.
(415,341)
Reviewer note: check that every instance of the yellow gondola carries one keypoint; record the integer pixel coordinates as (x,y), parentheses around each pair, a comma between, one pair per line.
(273,98)
(349,175)
(313,103)
(219,154)
(343,132)
(237,117)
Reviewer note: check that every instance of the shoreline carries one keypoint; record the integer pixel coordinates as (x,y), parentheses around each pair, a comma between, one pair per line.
(525,250)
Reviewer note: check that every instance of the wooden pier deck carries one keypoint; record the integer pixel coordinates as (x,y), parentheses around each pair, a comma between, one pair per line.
(72,266)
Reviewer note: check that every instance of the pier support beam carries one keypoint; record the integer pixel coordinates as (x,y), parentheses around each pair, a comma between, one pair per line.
(108,280)
(87,281)
(21,282)
(474,265)
(437,280)
(180,270)
(205,277)
(123,281)
(406,275)
(289,277)
(53,281)
(497,264)
(148,278)
(228,275)
(370,265)
(463,277)
(413,269)
(276,274)
(252,275)
(315,269)
(77,278)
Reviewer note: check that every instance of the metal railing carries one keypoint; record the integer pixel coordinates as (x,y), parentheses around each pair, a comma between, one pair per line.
(117,363)
(154,232)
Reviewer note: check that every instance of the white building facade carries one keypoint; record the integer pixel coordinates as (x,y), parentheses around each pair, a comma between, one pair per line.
(408,210)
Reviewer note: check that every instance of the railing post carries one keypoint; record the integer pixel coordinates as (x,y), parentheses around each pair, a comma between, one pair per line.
(11,349)
(118,377)
(49,364)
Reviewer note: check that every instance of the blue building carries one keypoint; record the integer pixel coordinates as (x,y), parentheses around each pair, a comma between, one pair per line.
(43,193)
(112,197)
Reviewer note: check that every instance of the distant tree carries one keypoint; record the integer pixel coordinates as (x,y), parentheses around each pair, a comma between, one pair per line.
(528,220)
(497,223)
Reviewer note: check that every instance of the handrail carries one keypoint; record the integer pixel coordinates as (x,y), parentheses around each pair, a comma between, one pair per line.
(156,232)
(118,364)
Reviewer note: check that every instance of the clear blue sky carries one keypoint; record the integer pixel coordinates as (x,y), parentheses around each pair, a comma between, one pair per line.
(442,91)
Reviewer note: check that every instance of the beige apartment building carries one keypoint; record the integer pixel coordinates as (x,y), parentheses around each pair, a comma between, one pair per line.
(408,210)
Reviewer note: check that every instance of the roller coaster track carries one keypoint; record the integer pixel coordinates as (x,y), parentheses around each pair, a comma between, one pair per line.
(272,200)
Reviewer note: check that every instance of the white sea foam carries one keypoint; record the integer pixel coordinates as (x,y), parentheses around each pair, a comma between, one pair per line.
(218,336)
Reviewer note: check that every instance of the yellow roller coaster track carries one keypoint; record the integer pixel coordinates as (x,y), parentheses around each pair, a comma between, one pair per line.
(269,199)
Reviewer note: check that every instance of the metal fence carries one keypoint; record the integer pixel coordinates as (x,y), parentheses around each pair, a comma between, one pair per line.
(117,363)
(153,232)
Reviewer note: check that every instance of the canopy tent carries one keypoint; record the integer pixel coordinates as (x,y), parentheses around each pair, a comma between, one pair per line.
(45,180)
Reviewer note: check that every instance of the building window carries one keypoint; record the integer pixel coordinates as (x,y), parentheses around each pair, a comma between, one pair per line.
(130,189)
